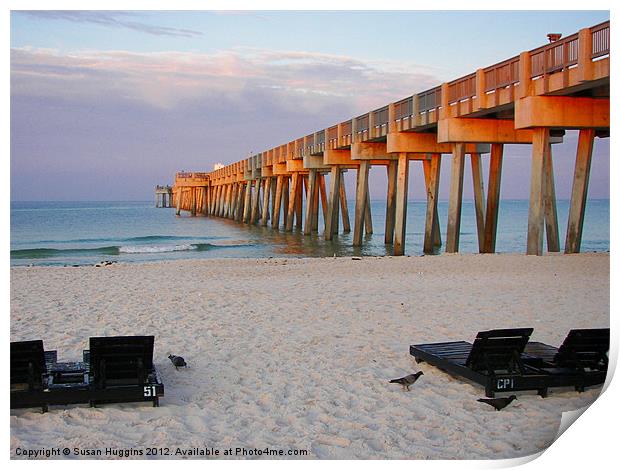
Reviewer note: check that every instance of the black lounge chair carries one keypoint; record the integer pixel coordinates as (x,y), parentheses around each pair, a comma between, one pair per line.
(580,361)
(505,360)
(115,369)
(493,360)
(121,370)
(28,374)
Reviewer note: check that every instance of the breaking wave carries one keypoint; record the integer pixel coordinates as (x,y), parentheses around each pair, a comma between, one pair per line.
(112,250)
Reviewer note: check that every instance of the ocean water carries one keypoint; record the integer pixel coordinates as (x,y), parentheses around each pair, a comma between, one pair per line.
(82,233)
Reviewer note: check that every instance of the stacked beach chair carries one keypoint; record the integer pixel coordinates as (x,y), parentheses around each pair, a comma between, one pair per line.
(506,361)
(113,370)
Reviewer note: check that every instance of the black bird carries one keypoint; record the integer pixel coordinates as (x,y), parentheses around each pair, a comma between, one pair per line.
(407,380)
(498,403)
(177,361)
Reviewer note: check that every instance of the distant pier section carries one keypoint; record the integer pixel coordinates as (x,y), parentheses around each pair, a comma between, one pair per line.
(164,196)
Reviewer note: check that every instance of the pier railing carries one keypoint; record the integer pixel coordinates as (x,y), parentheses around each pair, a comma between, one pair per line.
(501,75)
(600,40)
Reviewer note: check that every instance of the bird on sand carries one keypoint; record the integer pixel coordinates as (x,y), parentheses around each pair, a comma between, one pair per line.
(407,380)
(177,361)
(498,403)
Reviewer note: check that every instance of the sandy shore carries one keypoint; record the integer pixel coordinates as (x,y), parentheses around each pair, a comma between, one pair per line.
(297,354)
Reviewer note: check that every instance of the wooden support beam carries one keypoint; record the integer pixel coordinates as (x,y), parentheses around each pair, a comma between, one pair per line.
(360,201)
(579,193)
(265,203)
(205,207)
(266,193)
(299,197)
(390,206)
(255,199)
(368,213)
(478,130)
(371,151)
(400,224)
(456,198)
(310,201)
(179,192)
(566,112)
(535,222)
(285,199)
(213,200)
(216,208)
(275,218)
(229,201)
(479,204)
(415,142)
(336,226)
(224,204)
(209,199)
(323,194)
(315,203)
(492,210)
(432,237)
(293,166)
(226,207)
(427,166)
(247,202)
(549,201)
(292,203)
(422,143)
(241,197)
(334,193)
(219,200)
(337,157)
(274,183)
(344,207)
(193,196)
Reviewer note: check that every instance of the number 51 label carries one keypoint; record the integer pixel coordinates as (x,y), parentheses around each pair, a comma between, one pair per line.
(150,391)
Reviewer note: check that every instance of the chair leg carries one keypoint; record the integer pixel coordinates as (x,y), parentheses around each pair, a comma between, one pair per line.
(44,408)
(543,392)
(156,402)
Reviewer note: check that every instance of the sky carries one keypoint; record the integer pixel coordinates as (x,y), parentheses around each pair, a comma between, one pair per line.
(107,104)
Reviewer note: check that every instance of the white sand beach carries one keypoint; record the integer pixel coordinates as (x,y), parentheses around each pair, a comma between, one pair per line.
(297,353)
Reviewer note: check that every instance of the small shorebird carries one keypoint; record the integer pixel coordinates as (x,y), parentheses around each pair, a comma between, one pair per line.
(177,361)
(498,403)
(407,380)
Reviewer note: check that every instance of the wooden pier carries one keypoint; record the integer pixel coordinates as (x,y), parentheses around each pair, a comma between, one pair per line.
(530,99)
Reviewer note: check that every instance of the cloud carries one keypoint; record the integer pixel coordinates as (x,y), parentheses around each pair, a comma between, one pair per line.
(114,19)
(302,80)
(125,121)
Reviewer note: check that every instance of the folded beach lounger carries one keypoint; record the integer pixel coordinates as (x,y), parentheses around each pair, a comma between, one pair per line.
(115,369)
(37,379)
(494,360)
(28,374)
(121,370)
(580,361)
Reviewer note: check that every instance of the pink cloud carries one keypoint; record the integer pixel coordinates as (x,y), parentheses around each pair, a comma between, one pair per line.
(305,80)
